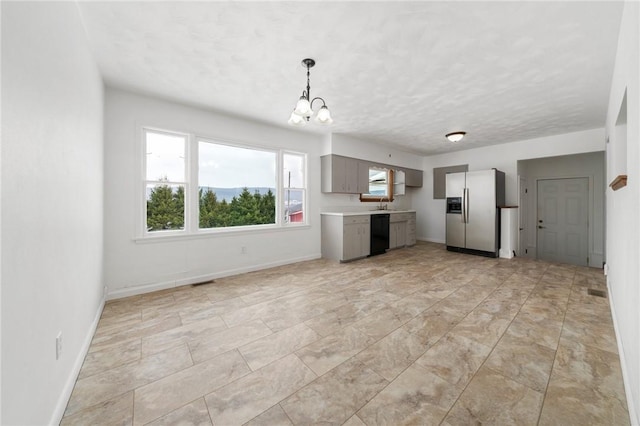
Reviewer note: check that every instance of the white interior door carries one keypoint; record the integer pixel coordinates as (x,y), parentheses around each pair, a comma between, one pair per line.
(563,220)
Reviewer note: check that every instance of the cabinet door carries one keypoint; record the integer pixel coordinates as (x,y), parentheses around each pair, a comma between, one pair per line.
(351,175)
(338,174)
(401,234)
(356,237)
(411,229)
(363,177)
(413,178)
(393,235)
(333,168)
(351,241)
(365,239)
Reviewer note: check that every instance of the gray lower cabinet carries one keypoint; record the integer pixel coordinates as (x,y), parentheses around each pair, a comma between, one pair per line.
(397,234)
(345,238)
(402,229)
(411,230)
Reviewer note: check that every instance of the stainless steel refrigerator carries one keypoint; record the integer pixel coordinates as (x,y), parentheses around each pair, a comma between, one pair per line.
(473,211)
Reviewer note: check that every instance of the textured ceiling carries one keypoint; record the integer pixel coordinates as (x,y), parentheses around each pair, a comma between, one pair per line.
(398,73)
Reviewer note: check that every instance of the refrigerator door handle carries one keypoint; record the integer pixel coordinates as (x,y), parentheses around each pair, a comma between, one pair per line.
(465,205)
(463,212)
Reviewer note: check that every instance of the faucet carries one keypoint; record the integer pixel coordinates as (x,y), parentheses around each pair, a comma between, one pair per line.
(381,207)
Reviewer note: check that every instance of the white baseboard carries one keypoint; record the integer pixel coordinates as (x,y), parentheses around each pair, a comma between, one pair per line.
(506,254)
(431,240)
(596,259)
(63,399)
(633,410)
(148,288)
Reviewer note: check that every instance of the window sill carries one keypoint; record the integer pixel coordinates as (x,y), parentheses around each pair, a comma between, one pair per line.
(213,233)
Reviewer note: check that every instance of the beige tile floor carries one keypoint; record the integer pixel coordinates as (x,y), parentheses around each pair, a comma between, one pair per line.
(415,336)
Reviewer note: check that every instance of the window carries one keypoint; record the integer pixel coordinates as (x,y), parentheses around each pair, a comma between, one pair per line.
(380,185)
(294,187)
(194,185)
(378,182)
(237,186)
(165,181)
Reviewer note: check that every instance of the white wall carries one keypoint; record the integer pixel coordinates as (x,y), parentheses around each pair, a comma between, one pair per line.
(431,213)
(52,206)
(589,165)
(132,266)
(350,146)
(623,220)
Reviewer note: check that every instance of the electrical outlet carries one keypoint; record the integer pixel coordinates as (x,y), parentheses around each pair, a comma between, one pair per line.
(59,345)
(243,250)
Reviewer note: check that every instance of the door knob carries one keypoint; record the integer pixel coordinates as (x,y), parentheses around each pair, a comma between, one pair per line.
(541,227)
(540,221)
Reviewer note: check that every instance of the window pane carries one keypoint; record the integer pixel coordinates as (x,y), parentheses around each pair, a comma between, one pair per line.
(237,186)
(378,182)
(165,207)
(293,206)
(165,157)
(293,176)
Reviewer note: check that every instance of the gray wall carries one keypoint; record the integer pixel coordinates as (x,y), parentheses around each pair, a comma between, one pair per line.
(589,165)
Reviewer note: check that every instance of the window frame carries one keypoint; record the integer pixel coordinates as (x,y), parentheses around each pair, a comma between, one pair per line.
(145,182)
(367,198)
(196,205)
(281,186)
(192,211)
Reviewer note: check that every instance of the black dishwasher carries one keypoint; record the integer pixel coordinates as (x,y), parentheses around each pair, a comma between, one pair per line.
(379,234)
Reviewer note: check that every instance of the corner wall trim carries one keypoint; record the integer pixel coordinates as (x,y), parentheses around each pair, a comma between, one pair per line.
(633,410)
(63,399)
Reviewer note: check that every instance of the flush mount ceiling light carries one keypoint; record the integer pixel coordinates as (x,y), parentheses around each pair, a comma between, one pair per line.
(304,108)
(455,136)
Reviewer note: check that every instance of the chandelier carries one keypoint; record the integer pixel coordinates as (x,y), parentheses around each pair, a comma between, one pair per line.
(304,108)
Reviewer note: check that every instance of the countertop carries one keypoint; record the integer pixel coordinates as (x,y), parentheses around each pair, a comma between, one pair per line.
(366,212)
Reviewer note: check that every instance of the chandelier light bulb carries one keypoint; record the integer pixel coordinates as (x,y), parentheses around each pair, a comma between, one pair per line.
(303,107)
(297,120)
(324,116)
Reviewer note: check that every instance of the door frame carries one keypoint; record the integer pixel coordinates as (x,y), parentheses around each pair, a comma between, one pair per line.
(534,207)
(523,225)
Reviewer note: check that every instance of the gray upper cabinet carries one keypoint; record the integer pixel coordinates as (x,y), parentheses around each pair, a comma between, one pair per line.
(348,175)
(440,179)
(413,178)
(344,175)
(363,177)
